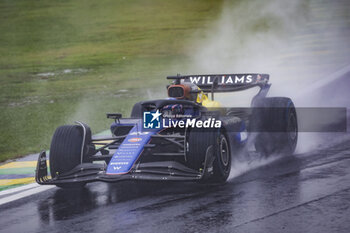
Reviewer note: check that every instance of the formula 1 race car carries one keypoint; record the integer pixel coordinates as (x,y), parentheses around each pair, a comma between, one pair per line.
(186,137)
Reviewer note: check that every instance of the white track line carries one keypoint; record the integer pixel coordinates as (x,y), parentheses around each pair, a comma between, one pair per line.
(18,189)
(25,194)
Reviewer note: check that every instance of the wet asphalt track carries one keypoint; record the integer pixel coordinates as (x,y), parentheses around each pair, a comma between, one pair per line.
(307,192)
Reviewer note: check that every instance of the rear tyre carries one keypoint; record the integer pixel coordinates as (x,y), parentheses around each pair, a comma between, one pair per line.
(65,151)
(276,117)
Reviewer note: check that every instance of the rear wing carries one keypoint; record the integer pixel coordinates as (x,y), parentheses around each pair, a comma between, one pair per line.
(224,82)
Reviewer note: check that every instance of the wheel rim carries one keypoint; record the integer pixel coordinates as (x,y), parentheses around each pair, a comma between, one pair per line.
(224,151)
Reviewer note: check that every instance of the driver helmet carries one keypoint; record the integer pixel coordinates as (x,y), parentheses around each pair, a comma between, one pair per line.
(187,91)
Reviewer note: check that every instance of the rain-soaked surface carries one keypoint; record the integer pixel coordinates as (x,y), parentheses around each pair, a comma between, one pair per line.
(308,192)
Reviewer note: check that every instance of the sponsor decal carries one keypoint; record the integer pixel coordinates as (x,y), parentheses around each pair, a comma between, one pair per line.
(119,163)
(135,140)
(222,80)
(258,79)
(139,133)
(244,135)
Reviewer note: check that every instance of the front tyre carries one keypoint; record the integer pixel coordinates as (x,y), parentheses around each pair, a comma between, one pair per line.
(222,162)
(199,141)
(65,151)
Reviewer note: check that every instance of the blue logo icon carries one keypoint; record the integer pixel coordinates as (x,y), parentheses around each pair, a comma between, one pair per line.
(151,120)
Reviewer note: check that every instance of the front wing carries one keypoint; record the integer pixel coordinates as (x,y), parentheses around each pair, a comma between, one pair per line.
(151,171)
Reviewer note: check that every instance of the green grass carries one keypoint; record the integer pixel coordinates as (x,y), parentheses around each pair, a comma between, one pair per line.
(9,186)
(108,45)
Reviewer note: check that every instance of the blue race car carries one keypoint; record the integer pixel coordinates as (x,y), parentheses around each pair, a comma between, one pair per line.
(186,137)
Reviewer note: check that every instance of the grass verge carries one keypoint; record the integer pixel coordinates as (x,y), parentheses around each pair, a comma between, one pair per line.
(76,60)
